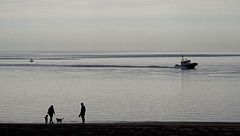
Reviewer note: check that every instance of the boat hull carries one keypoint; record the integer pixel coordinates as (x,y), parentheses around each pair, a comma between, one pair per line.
(188,66)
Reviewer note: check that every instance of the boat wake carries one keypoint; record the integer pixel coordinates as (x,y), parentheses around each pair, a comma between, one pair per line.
(81,66)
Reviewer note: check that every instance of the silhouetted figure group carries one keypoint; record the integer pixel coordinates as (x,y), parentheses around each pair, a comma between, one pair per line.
(51,112)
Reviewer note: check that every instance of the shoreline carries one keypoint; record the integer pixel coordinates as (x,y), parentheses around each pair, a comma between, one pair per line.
(123,128)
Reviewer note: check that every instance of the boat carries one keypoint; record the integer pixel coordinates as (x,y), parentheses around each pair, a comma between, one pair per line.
(31,60)
(186,64)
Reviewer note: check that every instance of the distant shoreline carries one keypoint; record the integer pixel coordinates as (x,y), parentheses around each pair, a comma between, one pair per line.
(62,57)
(81,55)
(123,128)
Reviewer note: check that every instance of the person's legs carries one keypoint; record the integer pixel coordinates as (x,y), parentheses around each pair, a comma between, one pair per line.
(51,122)
(83,119)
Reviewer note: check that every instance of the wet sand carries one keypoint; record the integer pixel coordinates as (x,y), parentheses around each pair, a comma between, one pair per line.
(121,129)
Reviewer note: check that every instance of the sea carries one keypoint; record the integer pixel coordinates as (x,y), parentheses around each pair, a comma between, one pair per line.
(119,86)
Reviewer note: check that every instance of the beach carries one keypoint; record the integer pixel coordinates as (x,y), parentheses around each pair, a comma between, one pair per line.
(128,128)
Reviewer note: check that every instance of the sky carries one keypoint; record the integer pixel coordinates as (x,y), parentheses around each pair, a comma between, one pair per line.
(162,25)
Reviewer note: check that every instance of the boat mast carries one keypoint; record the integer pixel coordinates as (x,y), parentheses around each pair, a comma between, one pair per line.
(182,55)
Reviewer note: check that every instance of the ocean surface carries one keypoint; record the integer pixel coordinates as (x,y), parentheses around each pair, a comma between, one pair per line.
(119,86)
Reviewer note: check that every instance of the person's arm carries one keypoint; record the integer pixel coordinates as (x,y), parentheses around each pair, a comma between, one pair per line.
(80,113)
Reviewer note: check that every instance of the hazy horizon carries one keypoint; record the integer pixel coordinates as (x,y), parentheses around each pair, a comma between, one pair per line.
(142,25)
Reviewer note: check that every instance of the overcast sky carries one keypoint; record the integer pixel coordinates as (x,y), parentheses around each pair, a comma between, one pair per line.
(164,25)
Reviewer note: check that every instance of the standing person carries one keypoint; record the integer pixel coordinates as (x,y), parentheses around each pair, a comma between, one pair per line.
(50,113)
(46,119)
(82,113)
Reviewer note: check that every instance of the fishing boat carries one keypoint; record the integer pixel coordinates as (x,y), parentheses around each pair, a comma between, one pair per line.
(186,64)
(31,60)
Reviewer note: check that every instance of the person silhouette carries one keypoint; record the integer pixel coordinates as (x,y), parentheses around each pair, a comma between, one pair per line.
(50,113)
(46,119)
(82,113)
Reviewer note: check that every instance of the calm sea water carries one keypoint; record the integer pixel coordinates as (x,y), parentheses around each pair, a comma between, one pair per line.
(118,86)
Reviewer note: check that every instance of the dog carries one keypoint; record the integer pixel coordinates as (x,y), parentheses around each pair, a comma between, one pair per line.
(59,120)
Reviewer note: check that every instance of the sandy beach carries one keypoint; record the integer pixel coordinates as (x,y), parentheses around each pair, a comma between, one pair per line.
(117,129)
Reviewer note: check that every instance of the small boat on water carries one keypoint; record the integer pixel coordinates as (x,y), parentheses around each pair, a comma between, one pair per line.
(186,64)
(31,60)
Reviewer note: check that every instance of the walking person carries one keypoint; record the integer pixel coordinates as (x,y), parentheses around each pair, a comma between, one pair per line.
(50,113)
(82,113)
